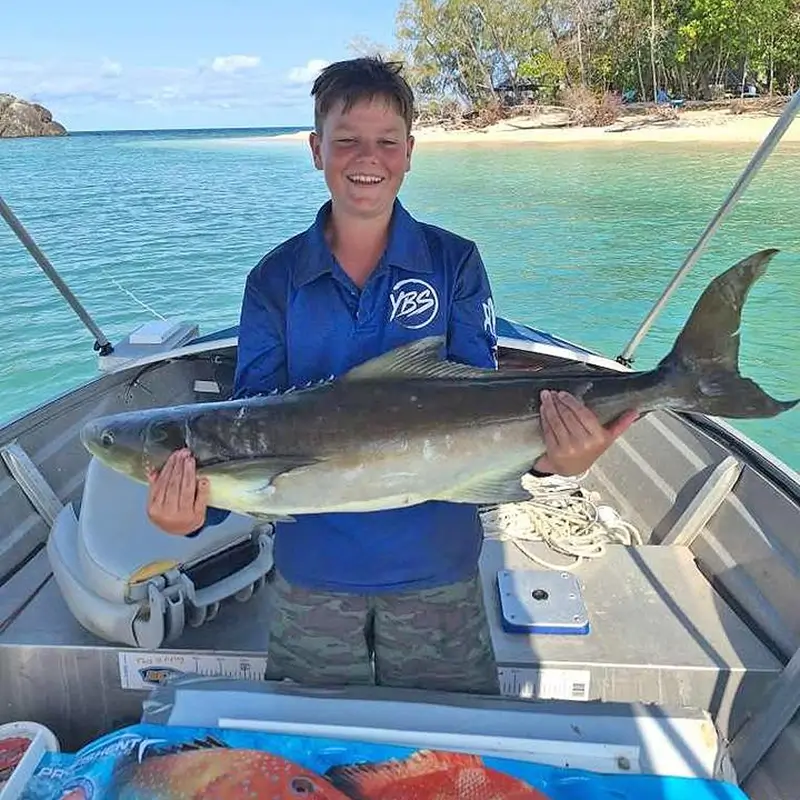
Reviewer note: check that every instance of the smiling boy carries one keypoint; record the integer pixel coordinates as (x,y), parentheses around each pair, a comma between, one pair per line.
(391,597)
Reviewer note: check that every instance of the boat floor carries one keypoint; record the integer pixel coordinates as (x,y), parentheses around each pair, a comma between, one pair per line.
(658,634)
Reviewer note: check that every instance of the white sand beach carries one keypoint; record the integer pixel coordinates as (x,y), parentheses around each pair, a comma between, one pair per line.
(701,125)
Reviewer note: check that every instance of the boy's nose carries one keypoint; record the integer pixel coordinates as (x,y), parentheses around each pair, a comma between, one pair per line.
(367,149)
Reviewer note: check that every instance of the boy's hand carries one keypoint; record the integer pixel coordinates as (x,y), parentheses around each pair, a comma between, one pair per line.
(573,435)
(177,501)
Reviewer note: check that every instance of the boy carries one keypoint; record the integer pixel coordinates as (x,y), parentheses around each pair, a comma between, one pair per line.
(399,586)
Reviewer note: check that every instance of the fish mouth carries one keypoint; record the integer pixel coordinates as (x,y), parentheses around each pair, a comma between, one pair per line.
(134,443)
(116,445)
(98,438)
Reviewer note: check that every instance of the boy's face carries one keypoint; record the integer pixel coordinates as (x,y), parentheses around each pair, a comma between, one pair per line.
(364,154)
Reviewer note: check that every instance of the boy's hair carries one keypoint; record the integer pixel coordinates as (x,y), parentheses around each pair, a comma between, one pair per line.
(360,79)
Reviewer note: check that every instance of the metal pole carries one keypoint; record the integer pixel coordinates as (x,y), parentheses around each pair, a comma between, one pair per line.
(761,155)
(101,344)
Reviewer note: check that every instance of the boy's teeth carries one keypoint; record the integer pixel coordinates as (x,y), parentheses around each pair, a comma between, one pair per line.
(365,179)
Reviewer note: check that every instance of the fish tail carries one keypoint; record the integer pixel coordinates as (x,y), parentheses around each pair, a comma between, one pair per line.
(703,366)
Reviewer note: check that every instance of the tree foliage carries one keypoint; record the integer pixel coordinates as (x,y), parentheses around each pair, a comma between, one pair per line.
(474,51)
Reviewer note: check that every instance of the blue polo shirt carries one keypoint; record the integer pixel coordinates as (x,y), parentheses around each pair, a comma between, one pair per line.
(303,319)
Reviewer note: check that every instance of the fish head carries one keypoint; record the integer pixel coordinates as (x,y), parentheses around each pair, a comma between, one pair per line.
(133,443)
(224,772)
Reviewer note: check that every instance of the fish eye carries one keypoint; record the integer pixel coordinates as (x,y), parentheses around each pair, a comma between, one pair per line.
(107,438)
(302,787)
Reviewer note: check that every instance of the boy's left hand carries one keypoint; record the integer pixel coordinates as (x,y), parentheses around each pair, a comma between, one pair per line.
(573,435)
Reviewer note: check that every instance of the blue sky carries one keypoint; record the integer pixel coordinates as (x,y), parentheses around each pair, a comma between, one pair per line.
(179,64)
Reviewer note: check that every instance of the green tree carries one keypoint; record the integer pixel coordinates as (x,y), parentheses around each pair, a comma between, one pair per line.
(465,49)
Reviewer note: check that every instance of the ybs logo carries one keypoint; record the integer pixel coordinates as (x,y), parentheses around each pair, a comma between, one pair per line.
(490,325)
(414,303)
(489,318)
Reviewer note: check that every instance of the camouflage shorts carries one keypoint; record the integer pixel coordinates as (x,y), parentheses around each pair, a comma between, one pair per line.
(430,639)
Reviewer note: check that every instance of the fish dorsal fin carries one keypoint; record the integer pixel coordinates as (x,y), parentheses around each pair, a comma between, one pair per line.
(418,359)
(372,780)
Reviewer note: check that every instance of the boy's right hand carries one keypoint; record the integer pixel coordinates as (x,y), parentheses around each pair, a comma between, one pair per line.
(176,500)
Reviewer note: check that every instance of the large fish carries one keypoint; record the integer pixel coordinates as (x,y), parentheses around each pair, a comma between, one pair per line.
(408,426)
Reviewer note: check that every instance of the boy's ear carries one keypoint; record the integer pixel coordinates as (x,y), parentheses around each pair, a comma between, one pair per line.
(409,149)
(314,144)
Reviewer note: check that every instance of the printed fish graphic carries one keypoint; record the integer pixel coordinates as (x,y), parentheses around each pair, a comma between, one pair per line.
(79,792)
(430,775)
(218,772)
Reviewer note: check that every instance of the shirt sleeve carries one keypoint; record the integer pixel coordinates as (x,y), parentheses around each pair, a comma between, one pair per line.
(260,361)
(261,352)
(472,332)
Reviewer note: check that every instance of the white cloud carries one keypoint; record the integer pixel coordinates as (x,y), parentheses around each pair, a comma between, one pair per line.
(13,67)
(100,88)
(307,73)
(235,63)
(110,69)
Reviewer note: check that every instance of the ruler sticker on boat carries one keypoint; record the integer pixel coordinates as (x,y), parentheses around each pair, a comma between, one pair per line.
(145,670)
(545,684)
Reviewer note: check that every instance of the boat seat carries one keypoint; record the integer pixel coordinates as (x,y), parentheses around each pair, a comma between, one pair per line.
(112,557)
(119,542)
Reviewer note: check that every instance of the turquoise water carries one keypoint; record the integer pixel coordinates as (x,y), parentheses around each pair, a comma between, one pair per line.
(577,240)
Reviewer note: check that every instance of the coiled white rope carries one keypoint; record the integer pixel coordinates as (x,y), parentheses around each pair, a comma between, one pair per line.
(562,515)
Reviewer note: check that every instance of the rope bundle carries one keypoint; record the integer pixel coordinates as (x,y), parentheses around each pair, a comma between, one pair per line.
(562,515)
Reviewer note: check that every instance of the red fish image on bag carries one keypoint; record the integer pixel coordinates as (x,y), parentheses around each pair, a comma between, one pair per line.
(221,774)
(12,749)
(431,775)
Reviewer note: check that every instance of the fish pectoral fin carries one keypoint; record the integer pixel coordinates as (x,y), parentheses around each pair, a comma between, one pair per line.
(418,359)
(497,487)
(260,472)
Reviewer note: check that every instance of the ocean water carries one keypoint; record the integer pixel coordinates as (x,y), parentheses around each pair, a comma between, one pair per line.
(578,240)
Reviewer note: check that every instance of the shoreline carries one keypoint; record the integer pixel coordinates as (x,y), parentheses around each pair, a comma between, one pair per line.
(701,126)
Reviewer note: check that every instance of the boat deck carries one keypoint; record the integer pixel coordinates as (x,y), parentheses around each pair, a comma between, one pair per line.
(707,624)
(658,634)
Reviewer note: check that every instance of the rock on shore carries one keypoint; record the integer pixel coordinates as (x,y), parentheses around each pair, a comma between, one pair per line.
(20,118)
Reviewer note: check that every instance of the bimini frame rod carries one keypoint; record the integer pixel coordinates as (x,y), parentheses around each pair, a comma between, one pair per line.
(756,162)
(101,343)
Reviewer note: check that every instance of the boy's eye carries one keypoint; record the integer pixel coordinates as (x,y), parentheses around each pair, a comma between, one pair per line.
(388,141)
